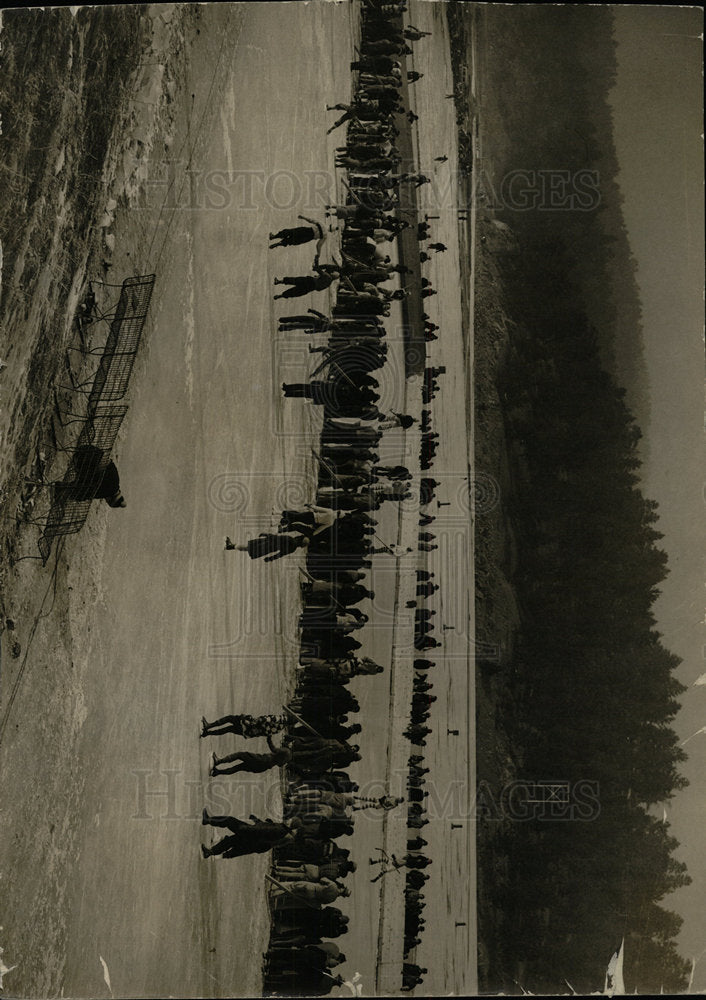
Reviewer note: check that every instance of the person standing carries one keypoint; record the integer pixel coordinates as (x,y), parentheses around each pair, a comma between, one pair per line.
(302,285)
(253,763)
(270,545)
(298,235)
(319,893)
(244,725)
(256,837)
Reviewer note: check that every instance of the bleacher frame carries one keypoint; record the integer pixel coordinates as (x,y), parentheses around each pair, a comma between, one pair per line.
(118,354)
(104,415)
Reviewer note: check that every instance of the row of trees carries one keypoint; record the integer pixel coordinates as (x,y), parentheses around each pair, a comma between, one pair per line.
(590,693)
(555,110)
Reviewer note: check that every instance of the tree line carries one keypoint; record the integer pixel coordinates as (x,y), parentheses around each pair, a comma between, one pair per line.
(590,692)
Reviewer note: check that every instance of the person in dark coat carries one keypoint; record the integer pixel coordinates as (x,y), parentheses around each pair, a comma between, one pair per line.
(332,728)
(91,479)
(306,982)
(342,670)
(416,879)
(253,763)
(332,700)
(309,761)
(302,285)
(417,861)
(425,642)
(317,744)
(245,725)
(257,837)
(393,471)
(308,323)
(287,961)
(416,733)
(336,394)
(330,829)
(334,645)
(277,546)
(328,922)
(412,976)
(304,850)
(298,234)
(344,593)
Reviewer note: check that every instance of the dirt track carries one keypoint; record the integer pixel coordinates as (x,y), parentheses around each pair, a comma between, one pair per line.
(120,671)
(149,623)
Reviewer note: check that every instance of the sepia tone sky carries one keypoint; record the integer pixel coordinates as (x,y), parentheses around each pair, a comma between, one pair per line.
(658,114)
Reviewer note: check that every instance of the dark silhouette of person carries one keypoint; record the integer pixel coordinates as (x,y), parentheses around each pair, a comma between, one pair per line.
(254,763)
(257,837)
(91,479)
(298,235)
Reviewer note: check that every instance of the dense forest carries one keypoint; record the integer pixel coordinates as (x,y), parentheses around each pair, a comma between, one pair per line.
(591,691)
(551,167)
(588,694)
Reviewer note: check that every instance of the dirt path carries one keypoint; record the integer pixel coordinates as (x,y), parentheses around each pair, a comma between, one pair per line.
(153,623)
(148,622)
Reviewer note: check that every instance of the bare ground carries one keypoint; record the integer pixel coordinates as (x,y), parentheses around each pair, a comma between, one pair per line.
(115,661)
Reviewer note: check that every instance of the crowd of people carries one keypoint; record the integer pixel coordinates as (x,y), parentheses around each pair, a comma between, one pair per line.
(430,440)
(319,740)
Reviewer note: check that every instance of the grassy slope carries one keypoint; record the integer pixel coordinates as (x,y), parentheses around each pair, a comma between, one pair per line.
(65,88)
